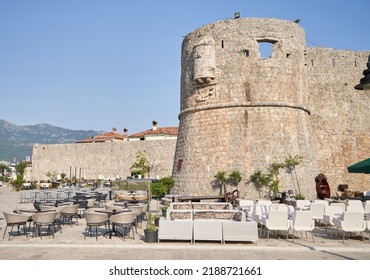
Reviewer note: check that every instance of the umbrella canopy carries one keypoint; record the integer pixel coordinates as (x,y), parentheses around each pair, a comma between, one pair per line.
(360,167)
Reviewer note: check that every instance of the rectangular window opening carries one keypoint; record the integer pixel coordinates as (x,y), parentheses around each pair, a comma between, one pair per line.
(265,49)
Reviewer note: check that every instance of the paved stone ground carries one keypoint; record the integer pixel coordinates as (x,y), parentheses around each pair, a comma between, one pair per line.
(72,245)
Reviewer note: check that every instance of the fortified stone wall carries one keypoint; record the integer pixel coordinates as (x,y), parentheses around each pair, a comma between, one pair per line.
(241,111)
(340,114)
(108,160)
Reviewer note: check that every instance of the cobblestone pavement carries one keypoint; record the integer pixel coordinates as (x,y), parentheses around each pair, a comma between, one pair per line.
(71,244)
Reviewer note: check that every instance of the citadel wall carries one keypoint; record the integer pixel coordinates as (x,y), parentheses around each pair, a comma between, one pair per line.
(340,114)
(241,111)
(108,160)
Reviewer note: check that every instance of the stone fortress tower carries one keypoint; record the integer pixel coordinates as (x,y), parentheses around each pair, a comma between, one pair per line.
(242,111)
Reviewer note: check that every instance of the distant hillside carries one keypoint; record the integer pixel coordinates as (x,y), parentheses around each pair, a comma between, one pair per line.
(17,141)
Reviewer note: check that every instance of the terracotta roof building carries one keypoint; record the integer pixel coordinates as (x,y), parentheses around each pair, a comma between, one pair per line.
(155,133)
(112,136)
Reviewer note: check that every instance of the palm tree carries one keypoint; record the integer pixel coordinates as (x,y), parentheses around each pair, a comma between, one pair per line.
(260,180)
(290,163)
(221,180)
(234,178)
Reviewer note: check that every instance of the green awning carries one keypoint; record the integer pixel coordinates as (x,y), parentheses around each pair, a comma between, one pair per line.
(360,167)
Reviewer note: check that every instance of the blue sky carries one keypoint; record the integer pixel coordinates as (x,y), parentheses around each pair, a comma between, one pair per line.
(89,64)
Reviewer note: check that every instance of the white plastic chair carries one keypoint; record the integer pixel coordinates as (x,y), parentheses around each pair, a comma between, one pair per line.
(340,204)
(355,208)
(367,206)
(276,220)
(355,202)
(331,211)
(260,211)
(247,206)
(302,221)
(321,201)
(318,211)
(351,222)
(303,204)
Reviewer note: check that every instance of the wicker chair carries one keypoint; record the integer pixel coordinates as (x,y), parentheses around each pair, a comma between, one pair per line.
(124,221)
(43,219)
(13,219)
(94,219)
(70,212)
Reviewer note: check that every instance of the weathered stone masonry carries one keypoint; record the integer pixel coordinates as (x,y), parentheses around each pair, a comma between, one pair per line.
(109,159)
(243,112)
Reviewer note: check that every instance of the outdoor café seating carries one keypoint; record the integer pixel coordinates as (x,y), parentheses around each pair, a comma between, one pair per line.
(124,221)
(43,219)
(69,212)
(18,220)
(95,220)
(277,220)
(302,222)
(350,222)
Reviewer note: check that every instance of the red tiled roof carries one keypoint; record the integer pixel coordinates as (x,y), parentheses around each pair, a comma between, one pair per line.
(172,130)
(103,137)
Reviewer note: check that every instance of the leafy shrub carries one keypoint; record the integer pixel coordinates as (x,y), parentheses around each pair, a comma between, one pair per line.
(169,182)
(158,189)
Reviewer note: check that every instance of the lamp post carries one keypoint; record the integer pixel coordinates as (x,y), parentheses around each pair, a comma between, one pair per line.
(365,81)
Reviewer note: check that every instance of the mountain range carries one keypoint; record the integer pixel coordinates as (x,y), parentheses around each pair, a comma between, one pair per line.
(17,141)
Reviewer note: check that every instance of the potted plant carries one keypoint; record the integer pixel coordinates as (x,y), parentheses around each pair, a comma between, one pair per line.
(164,210)
(156,220)
(151,231)
(299,196)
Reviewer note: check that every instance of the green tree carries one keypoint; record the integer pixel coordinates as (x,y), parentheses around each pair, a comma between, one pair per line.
(262,180)
(234,178)
(18,183)
(2,168)
(221,181)
(142,164)
(290,163)
(169,182)
(63,177)
(274,171)
(52,175)
(21,166)
(158,189)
